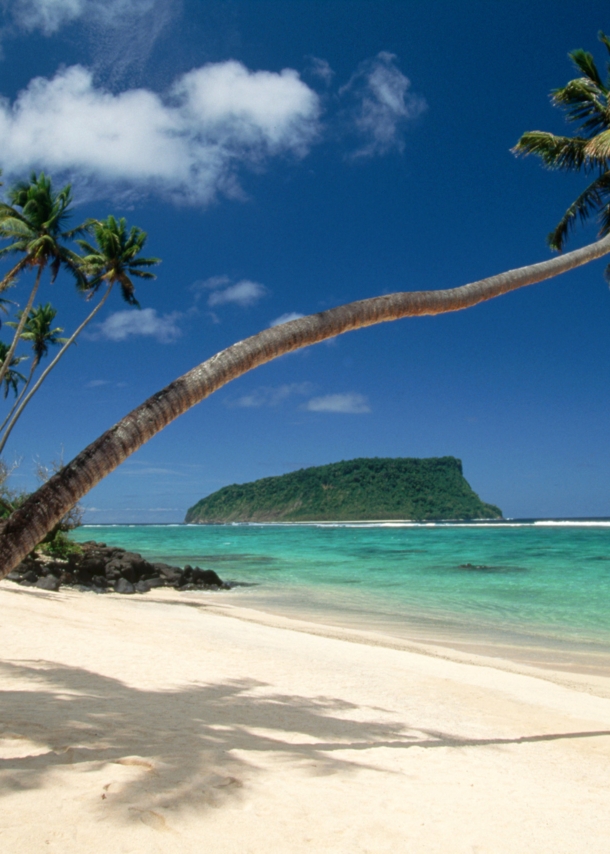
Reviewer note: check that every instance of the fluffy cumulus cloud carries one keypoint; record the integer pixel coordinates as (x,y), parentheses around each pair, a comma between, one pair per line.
(382,105)
(348,403)
(270,395)
(133,323)
(188,144)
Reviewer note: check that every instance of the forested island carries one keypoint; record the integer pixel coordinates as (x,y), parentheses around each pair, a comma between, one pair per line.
(362,489)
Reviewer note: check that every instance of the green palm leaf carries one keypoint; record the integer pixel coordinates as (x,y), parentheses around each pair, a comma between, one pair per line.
(585,101)
(592,200)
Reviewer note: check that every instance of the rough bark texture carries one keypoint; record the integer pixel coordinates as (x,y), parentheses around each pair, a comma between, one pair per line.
(28,525)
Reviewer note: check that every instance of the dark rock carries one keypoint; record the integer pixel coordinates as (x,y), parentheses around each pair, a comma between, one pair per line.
(481,567)
(169,573)
(99,568)
(48,582)
(124,586)
(207,577)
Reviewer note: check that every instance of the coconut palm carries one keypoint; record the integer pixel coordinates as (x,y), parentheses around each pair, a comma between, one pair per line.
(39,331)
(116,259)
(28,525)
(34,223)
(11,378)
(113,260)
(586,102)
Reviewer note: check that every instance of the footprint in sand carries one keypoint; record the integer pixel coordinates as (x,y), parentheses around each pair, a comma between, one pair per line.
(135,760)
(152,819)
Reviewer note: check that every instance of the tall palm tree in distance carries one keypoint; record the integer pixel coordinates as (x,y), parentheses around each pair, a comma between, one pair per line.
(11,378)
(586,102)
(34,222)
(41,334)
(114,260)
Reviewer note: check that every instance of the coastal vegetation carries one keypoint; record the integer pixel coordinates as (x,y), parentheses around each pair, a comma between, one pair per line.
(361,489)
(30,523)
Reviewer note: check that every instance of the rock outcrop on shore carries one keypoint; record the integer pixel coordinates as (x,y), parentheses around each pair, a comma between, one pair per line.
(106,569)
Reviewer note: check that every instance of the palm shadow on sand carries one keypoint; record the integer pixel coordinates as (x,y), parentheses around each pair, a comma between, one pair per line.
(196,745)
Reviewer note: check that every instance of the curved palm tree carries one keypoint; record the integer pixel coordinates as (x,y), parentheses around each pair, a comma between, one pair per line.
(114,260)
(34,223)
(586,102)
(11,378)
(28,525)
(39,331)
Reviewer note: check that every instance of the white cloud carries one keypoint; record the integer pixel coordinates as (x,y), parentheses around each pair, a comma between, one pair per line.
(348,403)
(49,16)
(321,68)
(382,105)
(210,284)
(188,145)
(244,293)
(271,395)
(286,318)
(145,322)
(96,383)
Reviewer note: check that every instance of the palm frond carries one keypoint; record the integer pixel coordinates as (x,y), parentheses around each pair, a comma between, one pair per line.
(144,262)
(583,103)
(593,199)
(598,148)
(584,62)
(142,274)
(556,152)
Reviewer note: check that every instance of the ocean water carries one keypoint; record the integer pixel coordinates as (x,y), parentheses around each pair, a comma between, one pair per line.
(529,585)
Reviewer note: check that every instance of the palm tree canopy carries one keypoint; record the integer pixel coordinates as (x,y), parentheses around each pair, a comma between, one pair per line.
(33,221)
(115,258)
(39,330)
(12,377)
(586,103)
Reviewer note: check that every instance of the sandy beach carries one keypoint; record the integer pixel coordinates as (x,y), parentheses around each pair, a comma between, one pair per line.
(169,723)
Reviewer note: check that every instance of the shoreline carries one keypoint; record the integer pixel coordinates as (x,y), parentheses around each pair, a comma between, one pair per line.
(175,722)
(567,666)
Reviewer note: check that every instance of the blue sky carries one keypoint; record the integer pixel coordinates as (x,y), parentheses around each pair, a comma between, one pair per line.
(285,157)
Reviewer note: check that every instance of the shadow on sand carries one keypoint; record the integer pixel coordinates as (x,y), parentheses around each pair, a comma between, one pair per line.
(194,745)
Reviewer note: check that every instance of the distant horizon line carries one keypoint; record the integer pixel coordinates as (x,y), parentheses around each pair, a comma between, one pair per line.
(431,522)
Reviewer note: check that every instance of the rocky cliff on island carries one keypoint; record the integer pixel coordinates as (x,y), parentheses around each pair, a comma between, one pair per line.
(364,489)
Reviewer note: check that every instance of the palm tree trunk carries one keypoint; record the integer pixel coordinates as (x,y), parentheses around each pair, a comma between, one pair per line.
(7,281)
(22,321)
(48,370)
(35,364)
(28,525)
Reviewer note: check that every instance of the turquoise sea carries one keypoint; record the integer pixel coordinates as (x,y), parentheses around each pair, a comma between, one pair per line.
(539,587)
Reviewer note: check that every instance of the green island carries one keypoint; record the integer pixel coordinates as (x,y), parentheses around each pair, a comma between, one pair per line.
(364,489)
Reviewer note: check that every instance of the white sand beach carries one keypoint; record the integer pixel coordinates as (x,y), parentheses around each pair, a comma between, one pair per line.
(174,723)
